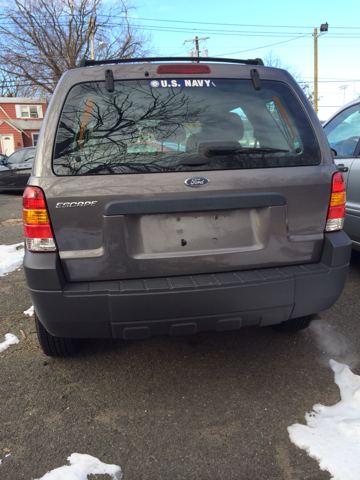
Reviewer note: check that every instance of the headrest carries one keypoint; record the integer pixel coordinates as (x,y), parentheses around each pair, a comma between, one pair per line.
(234,124)
(169,132)
(228,127)
(219,129)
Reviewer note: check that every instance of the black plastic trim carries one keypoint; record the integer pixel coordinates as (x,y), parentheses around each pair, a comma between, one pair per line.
(109,78)
(255,77)
(88,63)
(194,203)
(43,270)
(337,249)
(181,305)
(143,308)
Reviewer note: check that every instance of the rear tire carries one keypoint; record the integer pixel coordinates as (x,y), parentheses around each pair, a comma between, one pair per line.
(294,324)
(55,346)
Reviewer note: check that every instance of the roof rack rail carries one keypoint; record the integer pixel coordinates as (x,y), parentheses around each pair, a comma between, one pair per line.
(88,63)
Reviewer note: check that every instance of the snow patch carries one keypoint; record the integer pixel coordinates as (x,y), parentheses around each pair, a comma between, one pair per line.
(10,339)
(332,434)
(30,311)
(82,465)
(11,257)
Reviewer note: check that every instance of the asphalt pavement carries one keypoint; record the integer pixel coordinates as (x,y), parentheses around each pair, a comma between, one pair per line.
(209,406)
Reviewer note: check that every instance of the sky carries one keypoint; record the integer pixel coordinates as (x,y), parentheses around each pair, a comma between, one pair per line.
(251,30)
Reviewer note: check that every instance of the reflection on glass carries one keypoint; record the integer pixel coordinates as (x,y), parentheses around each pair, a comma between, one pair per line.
(343,131)
(138,129)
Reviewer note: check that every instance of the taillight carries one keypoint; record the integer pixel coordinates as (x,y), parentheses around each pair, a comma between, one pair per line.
(38,233)
(183,69)
(336,213)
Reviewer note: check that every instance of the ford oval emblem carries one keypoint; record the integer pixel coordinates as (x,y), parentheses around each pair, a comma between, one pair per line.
(197,182)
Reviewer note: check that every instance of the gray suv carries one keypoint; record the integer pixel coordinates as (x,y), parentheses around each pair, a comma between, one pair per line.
(170,197)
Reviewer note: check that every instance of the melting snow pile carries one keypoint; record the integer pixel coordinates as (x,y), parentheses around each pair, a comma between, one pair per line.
(332,434)
(11,257)
(10,339)
(80,467)
(30,311)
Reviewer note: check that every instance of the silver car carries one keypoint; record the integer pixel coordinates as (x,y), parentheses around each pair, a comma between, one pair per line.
(343,132)
(240,223)
(15,170)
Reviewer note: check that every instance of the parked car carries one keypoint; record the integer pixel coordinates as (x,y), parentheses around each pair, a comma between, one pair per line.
(15,170)
(3,158)
(343,133)
(3,162)
(127,242)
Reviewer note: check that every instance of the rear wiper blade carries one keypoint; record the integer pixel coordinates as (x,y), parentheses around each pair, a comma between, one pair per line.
(217,151)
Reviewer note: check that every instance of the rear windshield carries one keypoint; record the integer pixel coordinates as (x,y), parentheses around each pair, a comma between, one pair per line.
(154,126)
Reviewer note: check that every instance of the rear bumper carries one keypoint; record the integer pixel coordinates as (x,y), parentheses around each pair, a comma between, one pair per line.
(183,305)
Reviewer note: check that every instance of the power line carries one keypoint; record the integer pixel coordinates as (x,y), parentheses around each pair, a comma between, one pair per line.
(225,32)
(264,46)
(214,32)
(199,23)
(183,30)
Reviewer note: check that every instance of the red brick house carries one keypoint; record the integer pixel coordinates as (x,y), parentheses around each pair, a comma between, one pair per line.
(20,122)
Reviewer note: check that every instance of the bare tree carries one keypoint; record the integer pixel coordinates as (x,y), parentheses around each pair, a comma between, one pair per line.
(8,88)
(273,60)
(12,86)
(41,39)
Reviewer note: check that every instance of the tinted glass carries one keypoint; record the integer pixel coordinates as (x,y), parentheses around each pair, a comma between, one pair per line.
(182,125)
(17,157)
(30,155)
(343,132)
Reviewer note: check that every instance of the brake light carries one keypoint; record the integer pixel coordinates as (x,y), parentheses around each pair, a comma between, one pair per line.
(37,228)
(185,68)
(336,213)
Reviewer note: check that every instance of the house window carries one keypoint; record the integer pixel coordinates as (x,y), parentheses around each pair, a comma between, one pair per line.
(35,137)
(29,111)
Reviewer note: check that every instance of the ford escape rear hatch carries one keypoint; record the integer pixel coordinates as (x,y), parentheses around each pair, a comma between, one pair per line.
(178,176)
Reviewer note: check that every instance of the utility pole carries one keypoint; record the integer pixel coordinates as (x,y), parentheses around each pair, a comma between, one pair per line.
(315,72)
(323,28)
(197,40)
(92,30)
